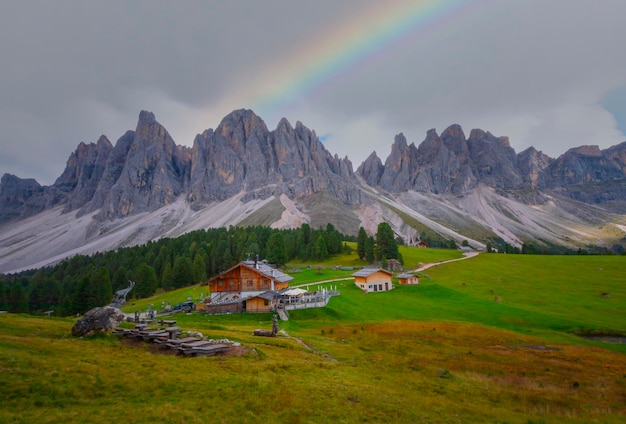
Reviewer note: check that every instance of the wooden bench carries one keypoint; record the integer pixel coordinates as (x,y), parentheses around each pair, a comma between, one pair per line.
(151,335)
(173,332)
(206,350)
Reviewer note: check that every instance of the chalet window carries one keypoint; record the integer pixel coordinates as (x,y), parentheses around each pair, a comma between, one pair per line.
(266,302)
(250,283)
(266,283)
(232,283)
(380,287)
(221,284)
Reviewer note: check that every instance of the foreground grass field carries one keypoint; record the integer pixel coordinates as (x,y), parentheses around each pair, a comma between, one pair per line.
(445,351)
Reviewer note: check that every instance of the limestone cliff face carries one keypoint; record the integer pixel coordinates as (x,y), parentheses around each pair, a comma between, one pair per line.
(153,173)
(83,172)
(462,177)
(18,197)
(371,170)
(399,166)
(116,162)
(591,175)
(243,155)
(586,164)
(533,166)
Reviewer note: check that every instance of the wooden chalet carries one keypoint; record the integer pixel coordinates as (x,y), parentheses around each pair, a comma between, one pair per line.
(373,280)
(249,286)
(407,279)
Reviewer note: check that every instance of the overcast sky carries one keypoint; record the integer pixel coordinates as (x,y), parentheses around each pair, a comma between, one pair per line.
(547,73)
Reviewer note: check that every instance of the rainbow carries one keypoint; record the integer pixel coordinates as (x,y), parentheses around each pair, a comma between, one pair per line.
(368,36)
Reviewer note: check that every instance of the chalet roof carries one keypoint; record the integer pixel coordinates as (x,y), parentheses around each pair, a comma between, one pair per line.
(260,267)
(268,295)
(366,272)
(268,271)
(405,275)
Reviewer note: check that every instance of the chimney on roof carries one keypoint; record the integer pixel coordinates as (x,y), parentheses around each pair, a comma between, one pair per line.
(256,259)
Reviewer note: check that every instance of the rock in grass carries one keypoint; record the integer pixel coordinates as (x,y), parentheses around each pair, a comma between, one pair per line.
(103,318)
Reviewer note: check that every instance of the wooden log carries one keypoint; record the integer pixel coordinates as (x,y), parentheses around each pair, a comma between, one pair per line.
(264,333)
(208,350)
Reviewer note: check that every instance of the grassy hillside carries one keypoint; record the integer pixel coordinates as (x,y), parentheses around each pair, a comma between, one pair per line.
(444,351)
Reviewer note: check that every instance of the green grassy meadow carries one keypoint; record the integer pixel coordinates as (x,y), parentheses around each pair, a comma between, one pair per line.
(491,339)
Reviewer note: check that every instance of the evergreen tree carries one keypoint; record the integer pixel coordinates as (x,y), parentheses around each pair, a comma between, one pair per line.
(199,269)
(72,299)
(320,251)
(44,293)
(227,259)
(98,291)
(306,234)
(167,279)
(276,249)
(182,272)
(18,299)
(252,246)
(333,239)
(4,295)
(386,242)
(145,281)
(360,243)
(369,249)
(120,279)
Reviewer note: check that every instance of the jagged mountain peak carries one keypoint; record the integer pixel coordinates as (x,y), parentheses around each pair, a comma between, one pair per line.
(146,118)
(587,150)
(284,125)
(400,141)
(453,131)
(241,123)
(104,141)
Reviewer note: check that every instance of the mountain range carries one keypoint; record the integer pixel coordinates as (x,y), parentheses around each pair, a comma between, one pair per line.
(474,188)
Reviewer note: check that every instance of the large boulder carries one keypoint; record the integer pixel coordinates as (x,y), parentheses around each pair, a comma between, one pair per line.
(102,318)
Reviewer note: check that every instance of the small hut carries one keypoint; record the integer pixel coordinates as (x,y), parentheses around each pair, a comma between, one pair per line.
(407,279)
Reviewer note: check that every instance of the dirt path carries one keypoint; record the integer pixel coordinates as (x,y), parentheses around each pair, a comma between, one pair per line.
(466,255)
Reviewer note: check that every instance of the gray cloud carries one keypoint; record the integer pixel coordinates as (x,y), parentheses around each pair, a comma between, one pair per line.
(537,71)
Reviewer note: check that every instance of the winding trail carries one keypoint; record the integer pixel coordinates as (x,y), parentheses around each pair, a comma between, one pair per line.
(466,255)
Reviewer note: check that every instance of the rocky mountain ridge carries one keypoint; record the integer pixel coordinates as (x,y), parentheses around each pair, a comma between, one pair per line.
(453,164)
(146,170)
(145,187)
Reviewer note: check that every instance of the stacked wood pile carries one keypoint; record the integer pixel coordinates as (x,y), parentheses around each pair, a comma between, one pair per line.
(168,339)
